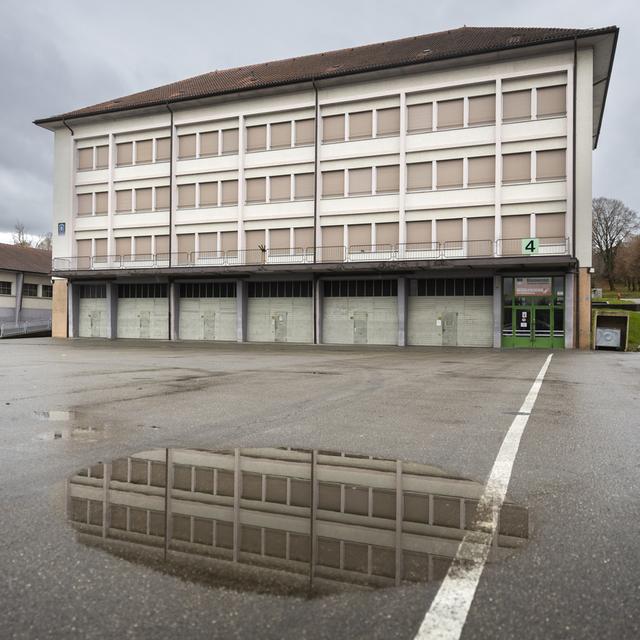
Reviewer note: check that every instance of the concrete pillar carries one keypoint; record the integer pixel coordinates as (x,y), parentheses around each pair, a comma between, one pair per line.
(112,310)
(569,310)
(497,312)
(402,311)
(317,310)
(241,310)
(59,309)
(174,306)
(73,294)
(19,285)
(583,297)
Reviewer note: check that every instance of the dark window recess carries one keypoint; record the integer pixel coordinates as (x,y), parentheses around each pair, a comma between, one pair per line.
(452,287)
(281,289)
(147,290)
(360,288)
(5,288)
(208,290)
(30,290)
(93,291)
(47,291)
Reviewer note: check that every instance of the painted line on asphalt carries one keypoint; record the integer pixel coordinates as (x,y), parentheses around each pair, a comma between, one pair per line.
(448,612)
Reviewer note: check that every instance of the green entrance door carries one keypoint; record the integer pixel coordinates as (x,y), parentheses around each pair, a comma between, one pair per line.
(533,312)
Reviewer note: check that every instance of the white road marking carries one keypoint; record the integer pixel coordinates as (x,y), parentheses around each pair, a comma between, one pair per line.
(448,611)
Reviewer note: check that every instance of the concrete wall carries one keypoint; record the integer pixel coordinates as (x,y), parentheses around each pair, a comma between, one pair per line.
(360,320)
(280,320)
(59,318)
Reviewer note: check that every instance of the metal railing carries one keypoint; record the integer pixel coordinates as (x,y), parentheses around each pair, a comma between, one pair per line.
(450,249)
(10,329)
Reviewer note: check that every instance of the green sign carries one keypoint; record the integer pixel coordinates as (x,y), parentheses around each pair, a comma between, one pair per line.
(530,246)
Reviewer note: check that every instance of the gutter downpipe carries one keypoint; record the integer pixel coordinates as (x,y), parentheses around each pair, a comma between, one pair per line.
(573,203)
(315,209)
(169,289)
(64,122)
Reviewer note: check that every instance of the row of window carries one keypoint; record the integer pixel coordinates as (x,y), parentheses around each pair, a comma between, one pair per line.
(29,290)
(142,290)
(360,288)
(280,289)
(93,291)
(451,287)
(208,290)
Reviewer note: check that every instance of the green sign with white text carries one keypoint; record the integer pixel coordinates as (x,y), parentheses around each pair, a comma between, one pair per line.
(530,246)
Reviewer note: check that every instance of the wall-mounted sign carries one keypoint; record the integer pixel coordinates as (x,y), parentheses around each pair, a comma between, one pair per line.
(530,246)
(62,227)
(523,318)
(533,287)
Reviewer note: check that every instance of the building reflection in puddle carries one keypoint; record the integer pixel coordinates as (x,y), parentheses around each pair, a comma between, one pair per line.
(281,520)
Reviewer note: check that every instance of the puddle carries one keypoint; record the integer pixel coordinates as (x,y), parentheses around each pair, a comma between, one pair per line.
(282,521)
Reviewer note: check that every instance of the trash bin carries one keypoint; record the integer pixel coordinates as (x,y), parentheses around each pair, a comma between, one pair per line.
(611,331)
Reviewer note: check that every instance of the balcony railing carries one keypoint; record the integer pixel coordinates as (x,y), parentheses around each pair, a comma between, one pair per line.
(447,250)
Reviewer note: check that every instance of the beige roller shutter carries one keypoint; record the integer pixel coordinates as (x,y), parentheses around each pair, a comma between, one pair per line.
(419,231)
(162,198)
(230,141)
(359,234)
(123,200)
(551,101)
(449,174)
(83,248)
(388,121)
(281,135)
(187,146)
(186,242)
(516,167)
(303,237)
(516,105)
(449,230)
(102,202)
(305,131)
(482,109)
(143,199)
(279,239)
(420,117)
(333,236)
(359,181)
(279,188)
(253,239)
(186,196)
(387,233)
(229,240)
(163,149)
(304,185)
(482,171)
(229,192)
(207,242)
(123,246)
(333,128)
(419,176)
(101,248)
(256,189)
(516,226)
(143,245)
(551,164)
(257,138)
(85,159)
(360,125)
(209,143)
(144,151)
(480,236)
(450,114)
(208,194)
(162,245)
(388,179)
(102,157)
(550,225)
(85,204)
(333,183)
(124,154)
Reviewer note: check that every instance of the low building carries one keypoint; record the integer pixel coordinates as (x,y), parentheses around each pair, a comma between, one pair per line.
(434,190)
(25,288)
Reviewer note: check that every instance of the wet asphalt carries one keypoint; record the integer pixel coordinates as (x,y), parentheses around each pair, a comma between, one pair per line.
(577,470)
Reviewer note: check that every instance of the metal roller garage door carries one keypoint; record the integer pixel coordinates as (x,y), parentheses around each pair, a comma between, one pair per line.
(360,312)
(280,311)
(207,311)
(143,311)
(450,312)
(92,311)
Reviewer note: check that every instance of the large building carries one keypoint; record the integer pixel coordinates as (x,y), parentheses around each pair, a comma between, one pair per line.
(434,190)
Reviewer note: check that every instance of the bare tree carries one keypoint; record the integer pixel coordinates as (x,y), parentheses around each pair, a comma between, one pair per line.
(20,235)
(44,242)
(613,223)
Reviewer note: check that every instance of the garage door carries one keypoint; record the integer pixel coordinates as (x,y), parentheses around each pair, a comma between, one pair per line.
(360,312)
(450,312)
(92,311)
(207,311)
(280,311)
(143,311)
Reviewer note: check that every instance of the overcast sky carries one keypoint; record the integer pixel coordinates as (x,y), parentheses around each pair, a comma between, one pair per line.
(56,56)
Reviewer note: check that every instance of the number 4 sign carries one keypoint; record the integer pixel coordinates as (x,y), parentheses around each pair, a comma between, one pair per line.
(530,246)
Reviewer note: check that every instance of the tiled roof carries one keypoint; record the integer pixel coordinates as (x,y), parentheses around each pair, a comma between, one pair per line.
(27,259)
(464,41)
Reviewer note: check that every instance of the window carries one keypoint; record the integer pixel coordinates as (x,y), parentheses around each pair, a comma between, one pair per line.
(256,189)
(305,131)
(139,290)
(449,174)
(388,121)
(229,192)
(29,290)
(209,143)
(281,135)
(551,101)
(279,188)
(123,201)
(257,138)
(451,287)
(388,179)
(333,128)
(144,151)
(280,289)
(550,225)
(482,171)
(420,117)
(47,291)
(187,146)
(332,184)
(186,196)
(516,167)
(85,204)
(163,149)
(419,176)
(516,105)
(93,291)
(304,186)
(124,154)
(360,125)
(450,114)
(208,290)
(551,164)
(162,198)
(230,141)
(143,199)
(360,288)
(102,201)
(208,194)
(102,157)
(85,159)
(5,288)
(359,181)
(482,110)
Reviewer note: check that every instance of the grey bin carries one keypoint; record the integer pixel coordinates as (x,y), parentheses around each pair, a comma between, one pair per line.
(611,331)
(606,337)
